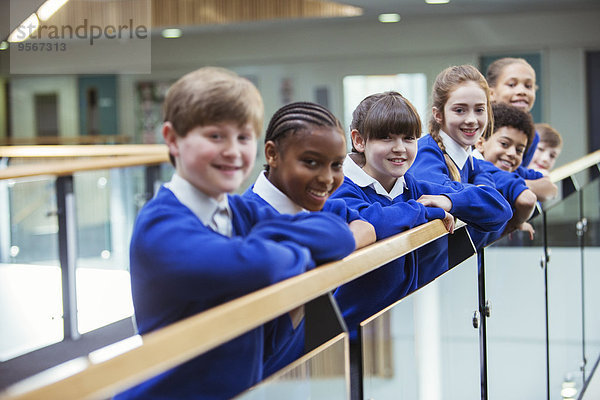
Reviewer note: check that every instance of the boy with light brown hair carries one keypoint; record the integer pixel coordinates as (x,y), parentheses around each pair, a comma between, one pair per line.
(195,246)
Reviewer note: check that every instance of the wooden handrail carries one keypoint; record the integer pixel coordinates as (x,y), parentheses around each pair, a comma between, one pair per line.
(81,150)
(68,167)
(574,167)
(177,343)
(59,140)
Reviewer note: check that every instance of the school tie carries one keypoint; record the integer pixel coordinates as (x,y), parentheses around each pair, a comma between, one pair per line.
(220,221)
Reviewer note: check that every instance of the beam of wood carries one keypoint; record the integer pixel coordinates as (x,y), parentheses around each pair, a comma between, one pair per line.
(574,167)
(81,150)
(69,167)
(57,140)
(177,343)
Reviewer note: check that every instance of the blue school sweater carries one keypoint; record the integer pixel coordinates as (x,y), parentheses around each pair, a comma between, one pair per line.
(528,173)
(510,184)
(531,151)
(396,279)
(284,343)
(430,165)
(179,267)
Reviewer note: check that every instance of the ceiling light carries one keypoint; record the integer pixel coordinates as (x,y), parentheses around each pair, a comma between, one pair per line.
(26,29)
(437,1)
(385,18)
(171,33)
(3,45)
(48,8)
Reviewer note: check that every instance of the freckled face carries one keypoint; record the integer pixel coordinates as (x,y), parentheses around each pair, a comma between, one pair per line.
(307,165)
(464,117)
(504,148)
(515,86)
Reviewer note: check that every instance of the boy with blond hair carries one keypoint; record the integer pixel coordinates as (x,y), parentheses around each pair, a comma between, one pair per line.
(194,246)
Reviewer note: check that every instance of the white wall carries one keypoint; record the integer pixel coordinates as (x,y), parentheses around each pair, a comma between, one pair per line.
(22,95)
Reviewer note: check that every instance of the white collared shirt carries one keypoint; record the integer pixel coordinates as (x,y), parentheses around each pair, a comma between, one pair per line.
(456,152)
(202,205)
(354,172)
(476,154)
(275,197)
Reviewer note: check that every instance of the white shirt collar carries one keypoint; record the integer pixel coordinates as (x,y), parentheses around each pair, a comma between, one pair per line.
(202,205)
(275,197)
(355,173)
(476,154)
(457,153)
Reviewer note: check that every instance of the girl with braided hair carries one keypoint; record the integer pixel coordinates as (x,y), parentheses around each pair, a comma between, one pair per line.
(461,114)
(305,147)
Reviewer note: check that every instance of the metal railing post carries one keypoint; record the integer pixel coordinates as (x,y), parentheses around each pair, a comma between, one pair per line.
(67,252)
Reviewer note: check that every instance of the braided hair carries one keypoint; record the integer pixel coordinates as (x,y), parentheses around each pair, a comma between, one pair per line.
(445,83)
(297,117)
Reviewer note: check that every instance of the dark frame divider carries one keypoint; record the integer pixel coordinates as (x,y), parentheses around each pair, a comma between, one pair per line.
(322,321)
(67,251)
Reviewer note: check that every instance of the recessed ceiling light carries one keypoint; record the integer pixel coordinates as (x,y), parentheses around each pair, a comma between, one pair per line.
(3,45)
(171,33)
(386,18)
(47,9)
(437,1)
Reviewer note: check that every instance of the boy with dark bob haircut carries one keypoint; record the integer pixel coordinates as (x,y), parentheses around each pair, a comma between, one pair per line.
(194,246)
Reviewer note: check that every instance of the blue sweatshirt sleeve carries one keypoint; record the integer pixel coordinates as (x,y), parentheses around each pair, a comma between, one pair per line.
(481,175)
(340,208)
(510,184)
(180,267)
(325,234)
(527,173)
(469,208)
(387,219)
(195,262)
(489,211)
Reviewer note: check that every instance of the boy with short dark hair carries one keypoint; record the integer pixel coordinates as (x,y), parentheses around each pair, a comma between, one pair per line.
(504,149)
(194,246)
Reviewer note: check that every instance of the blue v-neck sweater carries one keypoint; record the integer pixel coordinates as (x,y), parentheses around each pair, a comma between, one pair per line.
(180,267)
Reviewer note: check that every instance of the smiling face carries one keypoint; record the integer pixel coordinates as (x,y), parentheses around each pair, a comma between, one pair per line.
(505,148)
(464,117)
(386,159)
(515,86)
(307,165)
(215,158)
(544,157)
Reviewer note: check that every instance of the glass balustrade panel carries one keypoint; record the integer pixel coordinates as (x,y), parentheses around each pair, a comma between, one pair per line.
(564,295)
(322,374)
(516,327)
(591,271)
(425,345)
(30,277)
(106,206)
